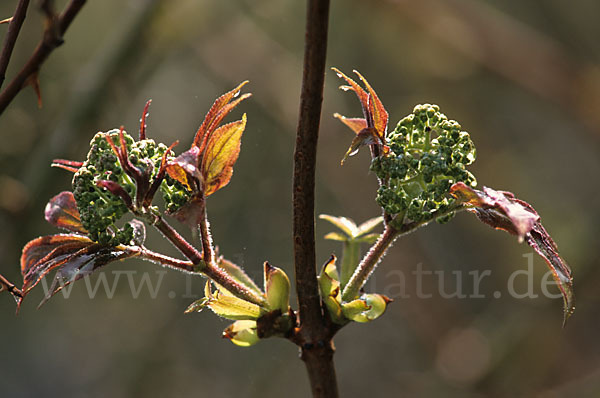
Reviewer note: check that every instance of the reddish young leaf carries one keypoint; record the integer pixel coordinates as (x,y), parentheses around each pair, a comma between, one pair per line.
(222,151)
(543,244)
(83,263)
(61,211)
(74,256)
(143,120)
(45,253)
(69,165)
(367,136)
(220,108)
(192,212)
(376,109)
(501,210)
(356,124)
(362,95)
(185,168)
(515,216)
(373,110)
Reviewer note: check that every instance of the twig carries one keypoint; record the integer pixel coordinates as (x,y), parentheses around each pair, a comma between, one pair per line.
(369,262)
(52,39)
(5,284)
(211,270)
(208,252)
(14,27)
(314,338)
(170,262)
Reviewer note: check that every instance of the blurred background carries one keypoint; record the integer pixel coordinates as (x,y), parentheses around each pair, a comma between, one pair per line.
(522,77)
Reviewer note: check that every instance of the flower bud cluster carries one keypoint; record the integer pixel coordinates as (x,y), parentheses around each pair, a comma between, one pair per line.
(99,208)
(428,153)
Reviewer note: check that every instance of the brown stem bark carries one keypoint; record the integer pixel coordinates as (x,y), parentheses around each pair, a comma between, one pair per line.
(211,270)
(369,262)
(313,336)
(14,27)
(52,39)
(5,284)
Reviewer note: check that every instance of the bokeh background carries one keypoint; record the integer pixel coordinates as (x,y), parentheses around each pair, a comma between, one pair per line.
(522,77)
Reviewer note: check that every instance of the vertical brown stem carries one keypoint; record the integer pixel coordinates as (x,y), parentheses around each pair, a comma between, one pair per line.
(314,336)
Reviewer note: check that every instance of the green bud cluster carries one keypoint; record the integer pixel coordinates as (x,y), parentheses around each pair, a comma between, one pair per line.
(428,153)
(174,193)
(99,208)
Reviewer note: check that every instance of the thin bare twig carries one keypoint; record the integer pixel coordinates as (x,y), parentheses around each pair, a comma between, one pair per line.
(52,38)
(10,39)
(313,336)
(5,284)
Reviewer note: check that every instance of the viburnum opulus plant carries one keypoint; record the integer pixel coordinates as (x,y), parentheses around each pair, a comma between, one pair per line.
(421,166)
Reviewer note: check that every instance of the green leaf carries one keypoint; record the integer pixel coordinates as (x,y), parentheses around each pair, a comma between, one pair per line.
(345,224)
(242,333)
(336,236)
(225,306)
(329,286)
(367,308)
(368,226)
(277,288)
(350,259)
(369,238)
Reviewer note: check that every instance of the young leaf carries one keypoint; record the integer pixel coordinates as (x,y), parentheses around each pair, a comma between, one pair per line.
(356,124)
(501,210)
(368,226)
(75,256)
(222,151)
(184,168)
(375,117)
(362,95)
(277,288)
(329,286)
(61,211)
(238,274)
(368,238)
(242,333)
(367,136)
(345,224)
(83,263)
(340,237)
(226,306)
(367,308)
(515,216)
(376,109)
(220,108)
(43,254)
